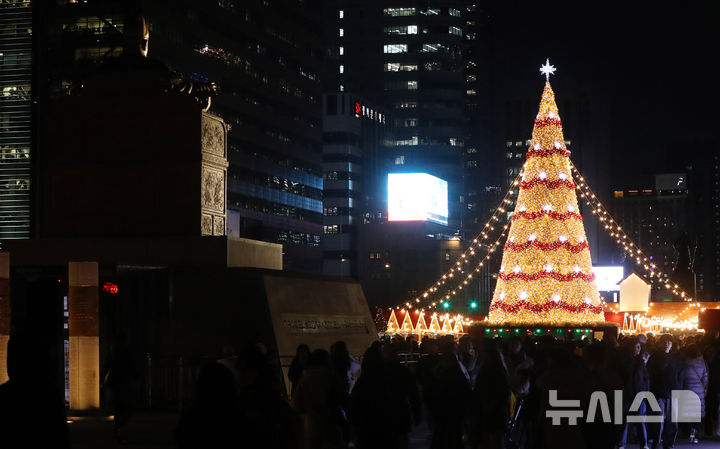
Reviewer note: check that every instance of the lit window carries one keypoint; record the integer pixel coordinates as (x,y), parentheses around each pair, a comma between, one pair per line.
(399,12)
(395,48)
(412,85)
(342,88)
(342,14)
(410,122)
(399,67)
(342,32)
(455,30)
(430,48)
(341,50)
(401,30)
(508,144)
(471,92)
(411,141)
(454,12)
(431,12)
(342,68)
(471,150)
(400,160)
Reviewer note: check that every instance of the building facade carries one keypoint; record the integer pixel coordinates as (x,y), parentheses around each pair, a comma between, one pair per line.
(655,220)
(16,41)
(355,177)
(265,58)
(409,59)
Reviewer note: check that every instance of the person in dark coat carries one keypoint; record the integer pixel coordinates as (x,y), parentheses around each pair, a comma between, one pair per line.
(316,399)
(451,398)
(375,403)
(405,388)
(664,369)
(695,378)
(32,410)
(604,378)
(491,399)
(636,381)
(268,420)
(297,366)
(214,420)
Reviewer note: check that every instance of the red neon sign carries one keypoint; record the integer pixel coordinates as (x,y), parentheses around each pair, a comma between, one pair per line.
(358,109)
(111,288)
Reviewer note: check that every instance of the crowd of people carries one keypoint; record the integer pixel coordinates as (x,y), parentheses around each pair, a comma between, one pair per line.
(474,392)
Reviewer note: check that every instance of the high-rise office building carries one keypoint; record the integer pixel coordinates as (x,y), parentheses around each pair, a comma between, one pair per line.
(354,166)
(654,219)
(15,117)
(409,58)
(266,60)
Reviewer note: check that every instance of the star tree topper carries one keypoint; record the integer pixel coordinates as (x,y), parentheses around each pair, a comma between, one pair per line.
(547,69)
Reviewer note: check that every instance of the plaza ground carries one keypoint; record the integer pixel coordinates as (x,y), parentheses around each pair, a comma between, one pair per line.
(154,430)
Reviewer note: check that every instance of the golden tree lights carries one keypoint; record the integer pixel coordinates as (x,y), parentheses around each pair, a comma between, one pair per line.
(546,222)
(546,274)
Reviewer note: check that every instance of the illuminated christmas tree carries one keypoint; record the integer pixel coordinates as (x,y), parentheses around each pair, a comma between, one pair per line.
(546,274)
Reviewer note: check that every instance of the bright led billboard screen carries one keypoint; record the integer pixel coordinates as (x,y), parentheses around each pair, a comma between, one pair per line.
(607,278)
(417,197)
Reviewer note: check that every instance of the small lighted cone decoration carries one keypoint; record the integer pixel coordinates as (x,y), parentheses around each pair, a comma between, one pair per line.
(546,274)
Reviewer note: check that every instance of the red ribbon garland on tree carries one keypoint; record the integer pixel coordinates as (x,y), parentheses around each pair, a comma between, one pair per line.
(550,213)
(546,246)
(547,274)
(541,123)
(538,308)
(549,184)
(544,153)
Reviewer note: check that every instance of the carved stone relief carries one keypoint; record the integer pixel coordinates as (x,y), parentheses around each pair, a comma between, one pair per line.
(213,190)
(218,225)
(206,225)
(213,136)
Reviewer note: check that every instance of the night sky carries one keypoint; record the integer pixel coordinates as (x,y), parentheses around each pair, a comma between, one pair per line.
(658,65)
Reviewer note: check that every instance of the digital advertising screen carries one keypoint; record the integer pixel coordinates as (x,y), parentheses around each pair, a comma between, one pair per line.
(417,197)
(607,278)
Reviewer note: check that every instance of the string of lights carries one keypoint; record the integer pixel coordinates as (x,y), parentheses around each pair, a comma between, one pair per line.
(454,276)
(654,275)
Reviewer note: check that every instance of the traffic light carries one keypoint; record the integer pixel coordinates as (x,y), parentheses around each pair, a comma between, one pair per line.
(446,305)
(473,305)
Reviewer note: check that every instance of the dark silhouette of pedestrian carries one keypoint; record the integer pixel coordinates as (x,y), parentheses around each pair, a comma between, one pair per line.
(375,404)
(297,366)
(694,376)
(269,420)
(451,397)
(637,380)
(665,370)
(214,420)
(491,398)
(32,409)
(316,400)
